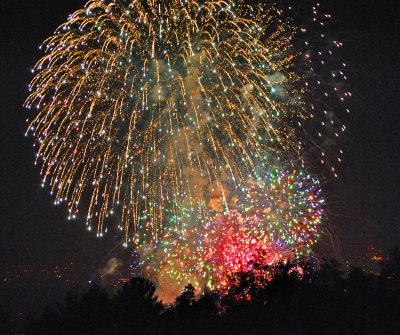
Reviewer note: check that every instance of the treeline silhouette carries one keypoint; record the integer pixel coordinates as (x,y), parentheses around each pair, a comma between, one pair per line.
(323,301)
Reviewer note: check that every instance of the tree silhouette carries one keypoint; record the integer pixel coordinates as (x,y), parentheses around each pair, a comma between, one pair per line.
(330,273)
(186,299)
(288,300)
(87,314)
(135,307)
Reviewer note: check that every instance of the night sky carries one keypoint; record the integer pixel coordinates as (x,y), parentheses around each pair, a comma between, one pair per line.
(363,203)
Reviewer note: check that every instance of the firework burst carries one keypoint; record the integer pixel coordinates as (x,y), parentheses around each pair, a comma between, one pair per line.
(168,118)
(143,105)
(275,219)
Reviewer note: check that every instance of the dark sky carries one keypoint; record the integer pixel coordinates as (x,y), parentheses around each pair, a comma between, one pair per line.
(363,202)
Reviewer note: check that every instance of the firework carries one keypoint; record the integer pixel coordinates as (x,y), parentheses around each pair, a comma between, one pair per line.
(189,126)
(148,106)
(276,219)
